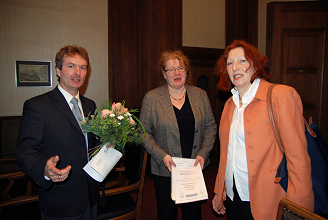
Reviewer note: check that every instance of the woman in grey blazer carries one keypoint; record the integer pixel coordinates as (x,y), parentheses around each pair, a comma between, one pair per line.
(178,122)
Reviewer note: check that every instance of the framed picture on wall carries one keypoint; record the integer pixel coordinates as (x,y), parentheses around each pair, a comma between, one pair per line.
(33,73)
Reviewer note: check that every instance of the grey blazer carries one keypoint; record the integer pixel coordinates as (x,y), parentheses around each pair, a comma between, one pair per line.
(162,135)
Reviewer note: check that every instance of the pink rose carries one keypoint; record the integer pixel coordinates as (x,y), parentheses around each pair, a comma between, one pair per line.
(119,108)
(105,113)
(116,106)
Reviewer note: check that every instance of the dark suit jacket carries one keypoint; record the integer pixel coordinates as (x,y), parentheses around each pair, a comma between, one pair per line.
(49,128)
(162,131)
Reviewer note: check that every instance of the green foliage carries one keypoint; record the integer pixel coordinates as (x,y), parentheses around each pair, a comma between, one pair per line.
(115,125)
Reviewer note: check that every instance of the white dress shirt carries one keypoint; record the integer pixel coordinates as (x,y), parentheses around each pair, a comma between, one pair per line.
(237,159)
(69,97)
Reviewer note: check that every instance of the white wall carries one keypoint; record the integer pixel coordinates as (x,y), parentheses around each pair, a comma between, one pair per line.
(37,29)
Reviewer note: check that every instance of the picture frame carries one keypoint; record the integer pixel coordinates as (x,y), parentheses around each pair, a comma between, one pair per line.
(33,73)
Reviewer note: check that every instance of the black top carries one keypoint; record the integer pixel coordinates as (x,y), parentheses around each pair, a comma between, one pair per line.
(186,123)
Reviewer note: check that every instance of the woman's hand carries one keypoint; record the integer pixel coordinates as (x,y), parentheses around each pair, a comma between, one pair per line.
(200,160)
(218,205)
(167,160)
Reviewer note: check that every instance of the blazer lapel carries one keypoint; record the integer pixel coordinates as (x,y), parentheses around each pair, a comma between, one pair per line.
(85,106)
(166,103)
(62,106)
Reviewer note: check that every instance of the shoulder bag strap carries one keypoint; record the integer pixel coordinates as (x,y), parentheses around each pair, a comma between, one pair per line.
(307,125)
(273,119)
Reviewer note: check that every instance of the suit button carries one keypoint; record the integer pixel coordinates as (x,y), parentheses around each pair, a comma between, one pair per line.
(247,119)
(250,146)
(196,131)
(195,147)
(251,160)
(249,132)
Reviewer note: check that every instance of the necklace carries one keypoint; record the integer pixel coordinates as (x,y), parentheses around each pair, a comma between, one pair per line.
(240,101)
(184,93)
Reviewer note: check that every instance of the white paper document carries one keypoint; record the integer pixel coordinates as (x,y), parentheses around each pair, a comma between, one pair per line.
(187,181)
(101,164)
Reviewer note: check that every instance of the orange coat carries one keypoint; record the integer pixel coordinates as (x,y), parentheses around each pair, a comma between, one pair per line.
(264,155)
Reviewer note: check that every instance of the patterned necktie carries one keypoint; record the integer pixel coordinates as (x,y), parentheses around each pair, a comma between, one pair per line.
(76,110)
(78,114)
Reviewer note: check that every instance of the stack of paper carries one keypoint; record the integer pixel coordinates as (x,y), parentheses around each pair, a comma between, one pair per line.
(187,181)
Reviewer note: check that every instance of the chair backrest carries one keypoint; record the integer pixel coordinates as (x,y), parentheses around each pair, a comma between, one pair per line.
(9,132)
(18,192)
(290,210)
(9,128)
(121,207)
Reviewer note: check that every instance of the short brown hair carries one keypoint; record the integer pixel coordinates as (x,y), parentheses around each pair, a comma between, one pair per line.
(177,54)
(259,62)
(70,50)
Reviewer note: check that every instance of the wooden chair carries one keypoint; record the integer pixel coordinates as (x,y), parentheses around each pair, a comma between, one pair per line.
(288,210)
(9,128)
(124,202)
(16,188)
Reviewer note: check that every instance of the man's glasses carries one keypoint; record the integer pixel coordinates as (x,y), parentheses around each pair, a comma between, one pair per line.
(172,70)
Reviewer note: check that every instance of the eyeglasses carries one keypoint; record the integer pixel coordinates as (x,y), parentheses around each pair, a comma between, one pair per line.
(172,70)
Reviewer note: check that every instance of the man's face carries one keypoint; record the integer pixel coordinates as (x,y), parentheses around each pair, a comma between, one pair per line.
(73,73)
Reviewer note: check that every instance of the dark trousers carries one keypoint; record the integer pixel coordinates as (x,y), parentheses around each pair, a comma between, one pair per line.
(89,214)
(166,207)
(237,209)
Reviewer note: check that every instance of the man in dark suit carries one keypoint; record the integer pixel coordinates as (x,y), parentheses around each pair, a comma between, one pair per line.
(52,149)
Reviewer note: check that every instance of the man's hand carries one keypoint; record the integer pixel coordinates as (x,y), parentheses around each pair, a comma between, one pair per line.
(167,160)
(200,160)
(53,173)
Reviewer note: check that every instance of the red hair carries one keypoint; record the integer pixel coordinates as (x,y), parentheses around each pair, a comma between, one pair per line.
(259,62)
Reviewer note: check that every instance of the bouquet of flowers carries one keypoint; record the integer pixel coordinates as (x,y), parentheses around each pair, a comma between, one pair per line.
(115,125)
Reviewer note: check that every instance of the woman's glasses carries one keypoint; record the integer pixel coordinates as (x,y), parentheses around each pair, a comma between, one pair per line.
(172,70)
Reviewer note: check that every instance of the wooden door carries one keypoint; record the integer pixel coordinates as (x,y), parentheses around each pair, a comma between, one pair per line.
(296,46)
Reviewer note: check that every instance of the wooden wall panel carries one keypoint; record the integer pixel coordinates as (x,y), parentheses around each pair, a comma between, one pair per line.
(242,21)
(160,30)
(139,31)
(123,50)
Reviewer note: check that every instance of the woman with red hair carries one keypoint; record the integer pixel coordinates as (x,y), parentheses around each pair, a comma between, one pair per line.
(249,154)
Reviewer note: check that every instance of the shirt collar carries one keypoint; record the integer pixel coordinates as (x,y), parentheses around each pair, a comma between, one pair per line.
(68,96)
(248,96)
